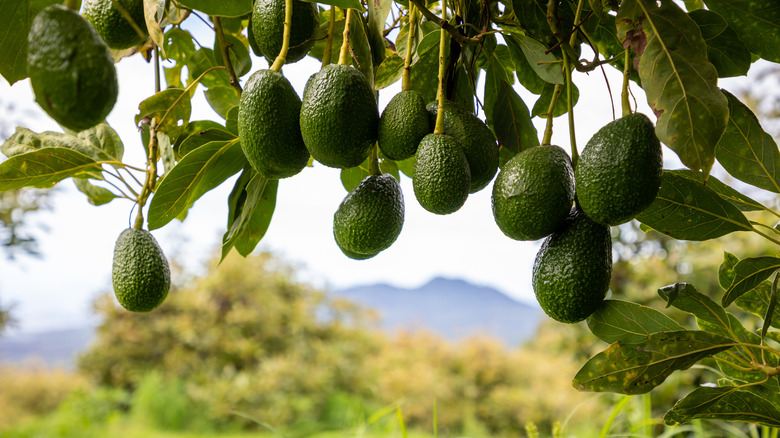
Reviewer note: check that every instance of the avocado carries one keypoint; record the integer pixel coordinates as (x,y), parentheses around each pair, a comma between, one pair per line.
(370,218)
(112,25)
(619,171)
(269,126)
(140,275)
(403,124)
(71,69)
(573,268)
(441,174)
(533,193)
(475,138)
(339,116)
(268,28)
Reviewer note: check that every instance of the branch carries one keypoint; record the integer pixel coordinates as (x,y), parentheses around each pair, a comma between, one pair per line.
(452,30)
(223,45)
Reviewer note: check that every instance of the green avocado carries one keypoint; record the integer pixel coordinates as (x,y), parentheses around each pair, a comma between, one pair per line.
(140,275)
(573,268)
(533,193)
(475,137)
(441,174)
(112,25)
(403,124)
(269,126)
(619,171)
(339,116)
(268,28)
(370,218)
(71,69)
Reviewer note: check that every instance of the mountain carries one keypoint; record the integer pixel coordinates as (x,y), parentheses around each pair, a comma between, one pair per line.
(453,309)
(50,348)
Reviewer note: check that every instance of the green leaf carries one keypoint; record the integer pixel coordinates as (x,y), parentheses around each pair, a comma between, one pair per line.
(508,115)
(104,143)
(222,99)
(198,172)
(502,64)
(757,22)
(741,201)
(748,152)
(532,16)
(726,270)
(757,302)
(198,139)
(96,195)
(686,209)
(748,274)
(45,167)
(202,60)
(424,75)
(628,322)
(238,50)
(771,308)
(222,8)
(361,47)
(389,71)
(724,403)
(681,84)
(637,368)
(167,155)
(546,65)
(171,107)
(343,4)
(15,20)
(351,177)
(101,143)
(378,11)
(231,123)
(252,203)
(525,74)
(725,50)
(561,107)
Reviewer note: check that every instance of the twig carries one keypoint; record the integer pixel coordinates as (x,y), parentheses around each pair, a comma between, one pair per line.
(224,49)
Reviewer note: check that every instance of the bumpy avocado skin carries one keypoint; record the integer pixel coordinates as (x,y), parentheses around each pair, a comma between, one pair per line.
(71,69)
(268,28)
(339,116)
(533,193)
(441,174)
(269,126)
(403,125)
(112,26)
(140,274)
(475,137)
(573,268)
(370,218)
(619,171)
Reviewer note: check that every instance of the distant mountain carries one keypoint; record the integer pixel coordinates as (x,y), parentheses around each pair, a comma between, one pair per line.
(57,348)
(453,309)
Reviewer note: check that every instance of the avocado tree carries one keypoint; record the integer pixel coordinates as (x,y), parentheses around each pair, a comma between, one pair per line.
(447,52)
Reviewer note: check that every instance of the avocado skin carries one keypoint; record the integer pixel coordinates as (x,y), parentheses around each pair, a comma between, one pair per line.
(71,69)
(112,26)
(533,193)
(475,138)
(403,124)
(269,126)
(339,116)
(573,268)
(619,171)
(268,28)
(370,218)
(441,174)
(140,274)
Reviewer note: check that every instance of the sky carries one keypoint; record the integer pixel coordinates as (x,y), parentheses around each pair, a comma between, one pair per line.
(56,290)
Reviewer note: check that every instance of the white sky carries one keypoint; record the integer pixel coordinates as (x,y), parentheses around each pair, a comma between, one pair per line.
(56,290)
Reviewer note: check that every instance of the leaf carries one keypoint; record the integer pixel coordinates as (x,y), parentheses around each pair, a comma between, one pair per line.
(748,274)
(525,74)
(726,270)
(546,65)
(231,123)
(741,201)
(725,50)
(637,368)
(222,99)
(171,107)
(166,152)
(532,16)
(198,172)
(378,11)
(222,8)
(200,138)
(15,20)
(771,308)
(724,403)
(251,206)
(508,115)
(424,75)
(501,63)
(757,302)
(689,210)
(361,47)
(343,4)
(101,143)
(104,143)
(202,60)
(628,322)
(757,22)
(95,195)
(153,10)
(389,71)
(746,151)
(238,50)
(351,177)
(678,79)
(542,104)
(45,167)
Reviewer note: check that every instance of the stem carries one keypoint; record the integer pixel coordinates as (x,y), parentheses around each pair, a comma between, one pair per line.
(224,49)
(328,52)
(373,162)
(281,58)
(570,107)
(71,4)
(406,79)
(439,128)
(625,103)
(446,26)
(157,82)
(732,364)
(344,54)
(773,229)
(151,175)
(188,88)
(548,129)
(767,237)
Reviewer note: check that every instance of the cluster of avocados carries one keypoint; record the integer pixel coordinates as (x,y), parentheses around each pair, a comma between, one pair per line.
(538,194)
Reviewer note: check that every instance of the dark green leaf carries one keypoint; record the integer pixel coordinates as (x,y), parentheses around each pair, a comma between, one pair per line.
(546,65)
(525,74)
(238,49)
(252,203)
(532,16)
(680,82)
(628,322)
(222,8)
(637,368)
(424,75)
(96,195)
(686,209)
(378,11)
(741,201)
(198,172)
(746,151)
(757,302)
(389,71)
(724,403)
(172,109)
(725,50)
(770,311)
(726,270)
(757,22)
(561,107)
(361,47)
(351,177)
(748,274)
(198,139)
(407,166)
(343,4)
(222,99)
(508,115)
(15,20)
(502,64)
(45,167)
(389,166)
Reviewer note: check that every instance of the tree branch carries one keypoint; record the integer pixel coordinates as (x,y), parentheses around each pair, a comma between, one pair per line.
(452,30)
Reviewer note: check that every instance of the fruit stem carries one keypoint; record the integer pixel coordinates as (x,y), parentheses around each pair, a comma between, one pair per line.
(570,107)
(344,54)
(406,80)
(373,162)
(281,58)
(157,81)
(548,129)
(72,4)
(224,49)
(328,52)
(439,128)
(626,104)
(151,175)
